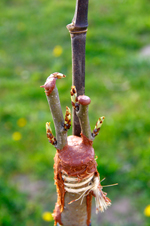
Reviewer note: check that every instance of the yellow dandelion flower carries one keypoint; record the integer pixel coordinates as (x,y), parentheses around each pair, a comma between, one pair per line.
(21,122)
(47,216)
(57,51)
(16,136)
(147,211)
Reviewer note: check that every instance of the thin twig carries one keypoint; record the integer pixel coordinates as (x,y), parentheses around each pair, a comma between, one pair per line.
(55,107)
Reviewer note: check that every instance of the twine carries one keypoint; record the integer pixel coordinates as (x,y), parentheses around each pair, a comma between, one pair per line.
(85,186)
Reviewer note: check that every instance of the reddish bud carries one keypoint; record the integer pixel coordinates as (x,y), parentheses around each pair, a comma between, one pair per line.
(84,100)
(49,85)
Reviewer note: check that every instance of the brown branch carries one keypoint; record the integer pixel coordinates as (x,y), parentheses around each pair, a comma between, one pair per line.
(78,29)
(79,22)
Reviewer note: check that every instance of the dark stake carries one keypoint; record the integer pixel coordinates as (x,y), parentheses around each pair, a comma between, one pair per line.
(78,29)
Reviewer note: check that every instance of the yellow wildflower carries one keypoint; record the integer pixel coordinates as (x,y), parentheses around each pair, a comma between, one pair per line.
(22,122)
(16,136)
(147,211)
(47,216)
(57,51)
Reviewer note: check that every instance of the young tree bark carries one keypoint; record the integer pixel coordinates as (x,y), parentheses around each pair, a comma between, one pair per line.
(55,107)
(78,29)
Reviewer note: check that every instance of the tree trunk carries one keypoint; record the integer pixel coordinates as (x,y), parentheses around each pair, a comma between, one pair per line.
(77,214)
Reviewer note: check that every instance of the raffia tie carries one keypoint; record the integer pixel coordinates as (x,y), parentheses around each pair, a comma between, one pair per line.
(85,186)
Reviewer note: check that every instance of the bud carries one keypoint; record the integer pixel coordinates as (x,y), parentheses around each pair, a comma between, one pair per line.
(50,136)
(57,75)
(67,123)
(74,98)
(99,122)
(98,126)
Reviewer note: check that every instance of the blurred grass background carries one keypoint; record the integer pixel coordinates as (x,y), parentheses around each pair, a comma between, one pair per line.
(34,42)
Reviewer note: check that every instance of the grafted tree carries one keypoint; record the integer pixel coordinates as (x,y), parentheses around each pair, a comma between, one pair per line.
(75,168)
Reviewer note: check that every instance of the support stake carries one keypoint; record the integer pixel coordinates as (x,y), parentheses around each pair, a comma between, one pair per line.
(78,29)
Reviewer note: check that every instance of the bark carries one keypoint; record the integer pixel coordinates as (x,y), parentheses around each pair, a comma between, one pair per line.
(55,107)
(74,214)
(84,121)
(78,29)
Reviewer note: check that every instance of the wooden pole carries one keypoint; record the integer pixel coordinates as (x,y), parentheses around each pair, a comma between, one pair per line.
(78,29)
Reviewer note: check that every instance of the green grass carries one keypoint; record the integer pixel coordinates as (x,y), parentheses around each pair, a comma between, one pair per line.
(117,80)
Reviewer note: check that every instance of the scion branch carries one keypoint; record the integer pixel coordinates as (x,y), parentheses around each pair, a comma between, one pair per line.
(55,107)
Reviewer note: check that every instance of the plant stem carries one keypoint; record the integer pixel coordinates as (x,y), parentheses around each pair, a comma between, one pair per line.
(74,214)
(84,121)
(55,107)
(78,29)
